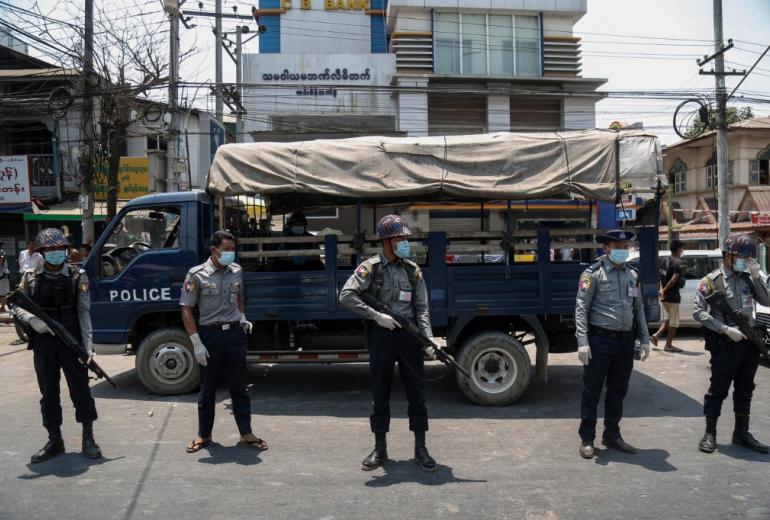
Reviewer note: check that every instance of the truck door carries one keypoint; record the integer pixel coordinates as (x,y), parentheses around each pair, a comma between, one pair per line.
(137,266)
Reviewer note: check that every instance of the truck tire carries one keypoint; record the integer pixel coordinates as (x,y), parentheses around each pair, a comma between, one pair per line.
(499,366)
(165,363)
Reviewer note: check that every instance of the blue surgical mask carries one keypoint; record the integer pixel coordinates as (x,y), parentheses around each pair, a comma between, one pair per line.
(740,266)
(402,249)
(619,256)
(55,257)
(226,257)
(298,230)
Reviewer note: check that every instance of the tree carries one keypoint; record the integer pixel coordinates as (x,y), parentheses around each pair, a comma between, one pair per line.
(130,66)
(734,115)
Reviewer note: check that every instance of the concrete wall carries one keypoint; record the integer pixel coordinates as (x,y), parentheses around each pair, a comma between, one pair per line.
(321,31)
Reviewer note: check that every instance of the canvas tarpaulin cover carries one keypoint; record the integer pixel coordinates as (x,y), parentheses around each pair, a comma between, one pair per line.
(497,166)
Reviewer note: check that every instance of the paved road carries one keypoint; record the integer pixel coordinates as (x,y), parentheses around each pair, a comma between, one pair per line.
(516,462)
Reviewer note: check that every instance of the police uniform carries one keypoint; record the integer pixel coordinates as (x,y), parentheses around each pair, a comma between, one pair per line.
(732,363)
(216,293)
(609,315)
(401,286)
(64,296)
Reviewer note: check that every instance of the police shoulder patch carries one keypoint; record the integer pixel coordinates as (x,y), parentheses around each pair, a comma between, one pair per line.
(706,286)
(363,271)
(189,283)
(84,286)
(585,281)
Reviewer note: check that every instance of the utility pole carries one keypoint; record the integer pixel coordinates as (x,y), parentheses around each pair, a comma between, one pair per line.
(239,82)
(172,144)
(723,189)
(219,109)
(87,124)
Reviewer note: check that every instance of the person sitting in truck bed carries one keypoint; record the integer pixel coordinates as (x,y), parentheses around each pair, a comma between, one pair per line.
(296,226)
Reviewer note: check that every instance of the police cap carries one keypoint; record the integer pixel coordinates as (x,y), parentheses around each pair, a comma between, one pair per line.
(616,235)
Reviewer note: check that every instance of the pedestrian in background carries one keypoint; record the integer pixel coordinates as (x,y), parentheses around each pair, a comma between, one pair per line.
(609,317)
(5,282)
(29,258)
(219,339)
(734,359)
(672,279)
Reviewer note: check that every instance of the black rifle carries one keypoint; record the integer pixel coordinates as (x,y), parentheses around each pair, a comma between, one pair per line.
(22,301)
(718,300)
(411,328)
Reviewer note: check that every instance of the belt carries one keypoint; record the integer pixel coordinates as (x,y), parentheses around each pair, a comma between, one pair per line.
(223,325)
(611,334)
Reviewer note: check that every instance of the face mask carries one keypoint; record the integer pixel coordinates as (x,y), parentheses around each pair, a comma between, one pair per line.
(226,257)
(619,256)
(739,265)
(298,230)
(402,249)
(55,257)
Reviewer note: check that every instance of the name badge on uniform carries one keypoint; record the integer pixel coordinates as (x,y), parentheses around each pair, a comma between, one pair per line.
(405,296)
(633,291)
(747,299)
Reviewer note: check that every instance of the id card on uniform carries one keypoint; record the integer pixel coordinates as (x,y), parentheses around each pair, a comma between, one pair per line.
(405,296)
(633,291)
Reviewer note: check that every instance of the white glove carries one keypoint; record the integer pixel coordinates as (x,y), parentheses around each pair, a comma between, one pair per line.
(733,333)
(431,351)
(246,325)
(753,266)
(385,321)
(200,351)
(584,354)
(91,355)
(644,350)
(39,325)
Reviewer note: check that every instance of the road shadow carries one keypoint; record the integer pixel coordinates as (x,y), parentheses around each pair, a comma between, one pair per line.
(651,459)
(741,453)
(401,471)
(66,465)
(686,353)
(238,454)
(343,391)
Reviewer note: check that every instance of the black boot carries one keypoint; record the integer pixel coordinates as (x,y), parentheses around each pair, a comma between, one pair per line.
(742,436)
(421,455)
(53,447)
(379,454)
(709,441)
(90,448)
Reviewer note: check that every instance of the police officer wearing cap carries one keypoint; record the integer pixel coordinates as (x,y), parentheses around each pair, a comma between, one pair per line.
(609,317)
(396,281)
(62,291)
(734,360)
(219,340)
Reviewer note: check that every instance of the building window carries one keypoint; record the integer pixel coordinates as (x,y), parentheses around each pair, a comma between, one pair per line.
(481,44)
(712,172)
(530,113)
(156,143)
(760,168)
(677,177)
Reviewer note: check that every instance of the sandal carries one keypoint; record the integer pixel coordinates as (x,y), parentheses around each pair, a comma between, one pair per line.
(196,445)
(257,444)
(672,349)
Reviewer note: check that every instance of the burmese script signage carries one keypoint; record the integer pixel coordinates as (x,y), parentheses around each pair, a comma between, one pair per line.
(326,75)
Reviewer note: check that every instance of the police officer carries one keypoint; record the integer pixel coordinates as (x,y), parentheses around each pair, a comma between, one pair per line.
(62,291)
(398,282)
(219,339)
(609,316)
(734,360)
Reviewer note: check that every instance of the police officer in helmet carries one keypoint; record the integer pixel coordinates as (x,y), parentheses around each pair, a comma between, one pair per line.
(394,280)
(734,360)
(62,291)
(609,317)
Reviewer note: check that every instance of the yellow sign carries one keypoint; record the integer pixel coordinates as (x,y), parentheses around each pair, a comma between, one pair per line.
(346,5)
(132,179)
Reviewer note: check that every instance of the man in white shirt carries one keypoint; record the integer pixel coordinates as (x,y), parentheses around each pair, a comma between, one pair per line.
(29,259)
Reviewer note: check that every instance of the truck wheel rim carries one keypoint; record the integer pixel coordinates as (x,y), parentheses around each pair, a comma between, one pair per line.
(171,363)
(494,370)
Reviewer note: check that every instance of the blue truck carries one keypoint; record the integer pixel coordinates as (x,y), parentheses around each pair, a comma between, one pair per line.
(507,296)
